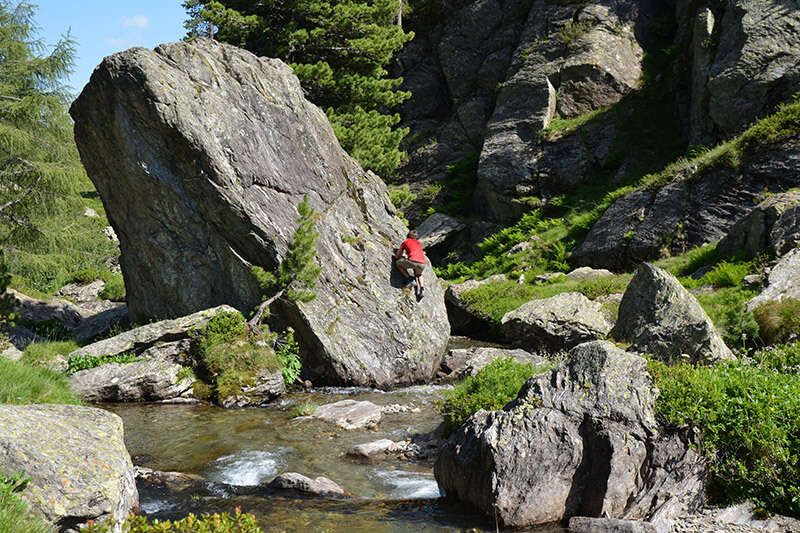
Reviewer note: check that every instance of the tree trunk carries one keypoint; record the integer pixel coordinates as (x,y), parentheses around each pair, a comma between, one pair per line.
(400,14)
(254,322)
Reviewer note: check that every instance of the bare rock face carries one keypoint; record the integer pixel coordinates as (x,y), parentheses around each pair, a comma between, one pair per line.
(76,459)
(772,227)
(581,441)
(658,316)
(144,381)
(783,281)
(557,323)
(201,153)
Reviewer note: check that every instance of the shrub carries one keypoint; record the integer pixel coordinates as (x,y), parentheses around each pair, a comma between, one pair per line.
(288,351)
(77,363)
(304,409)
(749,418)
(727,309)
(491,389)
(784,358)
(44,354)
(778,321)
(726,274)
(23,384)
(14,512)
(222,328)
(401,196)
(209,523)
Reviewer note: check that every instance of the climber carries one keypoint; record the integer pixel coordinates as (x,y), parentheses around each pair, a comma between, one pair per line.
(414,259)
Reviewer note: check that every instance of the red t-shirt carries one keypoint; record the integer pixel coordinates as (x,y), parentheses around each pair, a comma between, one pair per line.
(413,249)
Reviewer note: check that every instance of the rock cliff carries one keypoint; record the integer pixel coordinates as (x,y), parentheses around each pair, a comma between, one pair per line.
(201,153)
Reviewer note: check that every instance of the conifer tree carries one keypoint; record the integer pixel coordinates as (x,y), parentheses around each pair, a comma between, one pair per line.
(340,50)
(297,274)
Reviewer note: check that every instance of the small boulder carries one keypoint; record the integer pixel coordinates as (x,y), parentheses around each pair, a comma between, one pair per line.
(350,414)
(439,234)
(376,449)
(773,226)
(319,486)
(35,310)
(267,387)
(464,320)
(14,340)
(557,323)
(659,316)
(783,281)
(589,273)
(150,380)
(76,460)
(461,362)
(584,524)
(79,293)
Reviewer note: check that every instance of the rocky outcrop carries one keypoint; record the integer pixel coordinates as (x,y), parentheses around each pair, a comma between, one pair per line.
(440,233)
(76,460)
(773,227)
(783,281)
(698,206)
(659,317)
(151,380)
(582,441)
(459,363)
(557,323)
(201,153)
(465,320)
(319,486)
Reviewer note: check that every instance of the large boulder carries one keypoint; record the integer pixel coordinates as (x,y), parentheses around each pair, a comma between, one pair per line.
(150,380)
(773,227)
(582,441)
(557,323)
(659,316)
(76,460)
(459,363)
(201,153)
(783,281)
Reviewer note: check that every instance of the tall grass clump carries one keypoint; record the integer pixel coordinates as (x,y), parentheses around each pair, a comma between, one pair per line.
(15,515)
(23,384)
(779,321)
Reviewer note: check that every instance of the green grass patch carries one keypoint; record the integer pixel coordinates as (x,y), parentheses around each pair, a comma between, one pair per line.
(490,389)
(782,358)
(76,363)
(779,322)
(23,384)
(559,127)
(749,417)
(304,409)
(15,514)
(727,309)
(45,354)
(237,522)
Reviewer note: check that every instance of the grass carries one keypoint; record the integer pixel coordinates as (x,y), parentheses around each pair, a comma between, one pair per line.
(45,354)
(559,127)
(237,522)
(749,417)
(781,358)
(727,309)
(15,514)
(76,363)
(115,285)
(23,384)
(490,389)
(779,322)
(304,409)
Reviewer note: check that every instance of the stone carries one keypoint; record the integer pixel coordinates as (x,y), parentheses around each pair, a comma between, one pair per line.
(557,323)
(462,362)
(76,459)
(319,486)
(99,318)
(109,232)
(17,339)
(581,441)
(660,317)
(588,273)
(370,451)
(267,387)
(150,380)
(698,206)
(772,227)
(90,213)
(79,293)
(350,414)
(437,229)
(201,153)
(35,310)
(465,320)
(783,281)
(584,524)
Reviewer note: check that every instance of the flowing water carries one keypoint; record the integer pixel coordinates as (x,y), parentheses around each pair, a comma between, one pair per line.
(246,447)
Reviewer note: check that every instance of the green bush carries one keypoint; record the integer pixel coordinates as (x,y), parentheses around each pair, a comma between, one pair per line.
(222,328)
(44,354)
(14,512)
(783,358)
(23,384)
(749,417)
(727,309)
(77,363)
(779,321)
(726,274)
(491,389)
(304,409)
(401,196)
(209,523)
(288,351)
(115,285)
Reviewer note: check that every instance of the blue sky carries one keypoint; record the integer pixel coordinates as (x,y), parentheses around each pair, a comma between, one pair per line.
(102,27)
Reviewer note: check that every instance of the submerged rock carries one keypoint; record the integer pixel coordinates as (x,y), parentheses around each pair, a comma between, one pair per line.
(783,281)
(350,414)
(581,441)
(150,380)
(76,459)
(660,317)
(201,153)
(319,486)
(557,323)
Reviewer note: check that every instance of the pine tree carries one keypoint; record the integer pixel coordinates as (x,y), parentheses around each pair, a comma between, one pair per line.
(340,50)
(297,274)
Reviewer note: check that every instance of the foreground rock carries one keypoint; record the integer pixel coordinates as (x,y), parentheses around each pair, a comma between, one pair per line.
(659,317)
(350,414)
(557,323)
(76,459)
(319,486)
(582,441)
(201,153)
(773,227)
(783,281)
(150,380)
(462,362)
